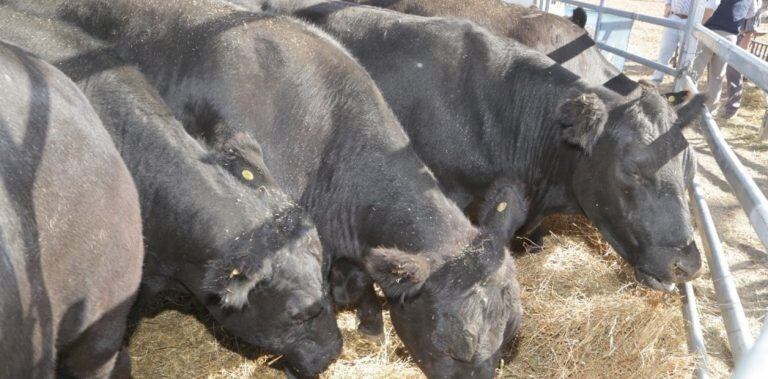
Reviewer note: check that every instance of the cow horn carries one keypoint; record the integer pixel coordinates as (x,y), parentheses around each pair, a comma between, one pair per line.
(673,142)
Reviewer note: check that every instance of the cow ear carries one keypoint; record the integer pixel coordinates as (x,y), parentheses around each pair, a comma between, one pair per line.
(504,210)
(583,119)
(242,156)
(398,273)
(233,278)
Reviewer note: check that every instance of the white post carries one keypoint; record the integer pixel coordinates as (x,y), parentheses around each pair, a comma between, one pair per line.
(690,44)
(599,18)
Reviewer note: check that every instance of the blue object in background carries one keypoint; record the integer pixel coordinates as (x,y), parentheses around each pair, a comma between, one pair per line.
(614,31)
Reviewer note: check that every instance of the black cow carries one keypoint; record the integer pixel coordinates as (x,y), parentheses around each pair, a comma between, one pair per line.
(238,244)
(562,40)
(552,35)
(323,123)
(571,47)
(70,229)
(579,17)
(480,109)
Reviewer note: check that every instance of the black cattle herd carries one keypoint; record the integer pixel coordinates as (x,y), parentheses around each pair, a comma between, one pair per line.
(276,159)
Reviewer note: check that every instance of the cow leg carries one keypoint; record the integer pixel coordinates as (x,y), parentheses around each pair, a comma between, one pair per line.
(369,313)
(530,242)
(98,352)
(352,286)
(531,239)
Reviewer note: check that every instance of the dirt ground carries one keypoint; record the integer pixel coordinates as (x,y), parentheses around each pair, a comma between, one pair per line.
(585,316)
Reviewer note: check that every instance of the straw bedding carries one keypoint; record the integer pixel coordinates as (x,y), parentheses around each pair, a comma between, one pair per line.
(584,317)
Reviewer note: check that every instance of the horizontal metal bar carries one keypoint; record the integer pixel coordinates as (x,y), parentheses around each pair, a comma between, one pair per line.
(736,326)
(755,363)
(644,61)
(744,62)
(744,187)
(674,24)
(693,326)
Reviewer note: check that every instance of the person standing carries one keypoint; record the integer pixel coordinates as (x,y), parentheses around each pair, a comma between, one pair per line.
(676,10)
(725,22)
(747,30)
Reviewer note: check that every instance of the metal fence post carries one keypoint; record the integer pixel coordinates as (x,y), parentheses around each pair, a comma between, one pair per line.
(599,19)
(764,126)
(755,364)
(693,326)
(736,326)
(690,44)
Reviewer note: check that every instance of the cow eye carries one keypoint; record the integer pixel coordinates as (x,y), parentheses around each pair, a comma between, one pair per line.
(632,171)
(257,287)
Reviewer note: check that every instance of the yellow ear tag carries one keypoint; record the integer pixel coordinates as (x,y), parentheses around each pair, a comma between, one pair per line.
(247,175)
(501,207)
(671,99)
(235,272)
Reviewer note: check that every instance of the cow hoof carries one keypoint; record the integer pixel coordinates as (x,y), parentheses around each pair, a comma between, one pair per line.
(520,246)
(374,334)
(377,339)
(533,249)
(289,374)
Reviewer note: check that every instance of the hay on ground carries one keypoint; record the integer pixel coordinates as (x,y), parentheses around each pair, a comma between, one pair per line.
(585,317)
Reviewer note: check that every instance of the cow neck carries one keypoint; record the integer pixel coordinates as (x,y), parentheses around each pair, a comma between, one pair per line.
(532,86)
(424,221)
(388,205)
(192,209)
(138,22)
(187,205)
(373,190)
(190,206)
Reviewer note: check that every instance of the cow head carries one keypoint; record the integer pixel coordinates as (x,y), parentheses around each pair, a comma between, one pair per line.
(453,316)
(264,279)
(631,179)
(273,296)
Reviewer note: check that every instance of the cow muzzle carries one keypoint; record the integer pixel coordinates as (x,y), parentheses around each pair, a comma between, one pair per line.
(683,265)
(686,265)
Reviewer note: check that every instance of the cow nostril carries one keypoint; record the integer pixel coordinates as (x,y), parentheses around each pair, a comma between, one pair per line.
(687,269)
(680,272)
(687,264)
(309,313)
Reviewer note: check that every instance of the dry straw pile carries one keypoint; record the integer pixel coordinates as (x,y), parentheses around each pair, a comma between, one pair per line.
(585,318)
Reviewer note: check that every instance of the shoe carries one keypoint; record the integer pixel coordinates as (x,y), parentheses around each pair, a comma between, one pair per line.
(730,113)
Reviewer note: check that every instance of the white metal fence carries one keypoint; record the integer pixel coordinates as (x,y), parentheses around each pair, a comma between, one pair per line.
(751,360)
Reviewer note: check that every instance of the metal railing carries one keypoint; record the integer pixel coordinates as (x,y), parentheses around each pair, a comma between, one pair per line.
(755,364)
(750,361)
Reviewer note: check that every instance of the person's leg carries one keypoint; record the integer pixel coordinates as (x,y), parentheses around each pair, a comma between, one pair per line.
(735,90)
(669,40)
(703,56)
(745,39)
(716,75)
(733,102)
